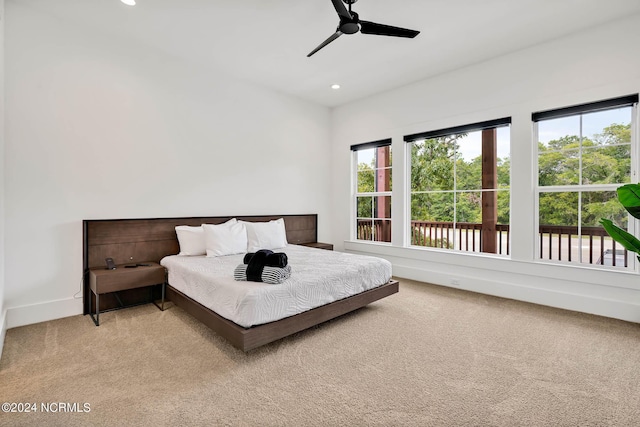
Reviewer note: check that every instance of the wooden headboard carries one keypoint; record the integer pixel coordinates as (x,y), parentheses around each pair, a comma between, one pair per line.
(139,240)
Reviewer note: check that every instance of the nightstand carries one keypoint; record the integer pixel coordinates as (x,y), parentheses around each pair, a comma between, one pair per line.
(319,245)
(103,281)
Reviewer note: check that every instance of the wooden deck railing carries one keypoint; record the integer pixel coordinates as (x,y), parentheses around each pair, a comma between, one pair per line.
(378,232)
(597,247)
(469,236)
(556,242)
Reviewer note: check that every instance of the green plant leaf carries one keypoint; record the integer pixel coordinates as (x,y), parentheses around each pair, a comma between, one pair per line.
(629,197)
(627,240)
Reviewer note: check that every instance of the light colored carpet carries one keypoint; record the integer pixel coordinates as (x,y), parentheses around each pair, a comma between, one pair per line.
(427,356)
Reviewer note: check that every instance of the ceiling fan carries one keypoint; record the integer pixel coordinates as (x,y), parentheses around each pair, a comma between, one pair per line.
(350,23)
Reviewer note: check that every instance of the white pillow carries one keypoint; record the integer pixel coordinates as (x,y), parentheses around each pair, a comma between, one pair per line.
(225,239)
(191,240)
(266,235)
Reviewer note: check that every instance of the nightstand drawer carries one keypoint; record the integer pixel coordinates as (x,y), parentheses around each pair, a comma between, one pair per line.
(103,281)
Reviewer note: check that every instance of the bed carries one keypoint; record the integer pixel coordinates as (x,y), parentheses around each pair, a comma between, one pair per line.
(294,309)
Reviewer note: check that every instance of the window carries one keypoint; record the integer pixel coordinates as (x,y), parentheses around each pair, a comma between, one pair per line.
(459,189)
(373,190)
(585,153)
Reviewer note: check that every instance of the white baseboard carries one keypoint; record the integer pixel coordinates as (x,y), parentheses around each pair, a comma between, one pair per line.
(42,312)
(3,329)
(617,308)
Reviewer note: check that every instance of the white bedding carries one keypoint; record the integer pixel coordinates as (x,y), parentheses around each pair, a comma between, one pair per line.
(318,277)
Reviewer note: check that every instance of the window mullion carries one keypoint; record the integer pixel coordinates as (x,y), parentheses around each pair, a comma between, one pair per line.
(455,196)
(580,182)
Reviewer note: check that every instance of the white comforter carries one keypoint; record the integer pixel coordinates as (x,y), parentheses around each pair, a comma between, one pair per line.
(318,277)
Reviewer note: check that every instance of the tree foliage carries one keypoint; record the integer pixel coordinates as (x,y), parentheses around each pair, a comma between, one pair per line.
(605,159)
(440,175)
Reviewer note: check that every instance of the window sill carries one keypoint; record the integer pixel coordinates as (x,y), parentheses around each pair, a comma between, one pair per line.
(438,258)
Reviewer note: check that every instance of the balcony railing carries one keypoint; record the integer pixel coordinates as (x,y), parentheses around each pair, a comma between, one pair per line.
(560,243)
(469,235)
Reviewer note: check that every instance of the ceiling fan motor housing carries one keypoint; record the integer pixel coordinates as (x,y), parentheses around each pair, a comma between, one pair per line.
(350,26)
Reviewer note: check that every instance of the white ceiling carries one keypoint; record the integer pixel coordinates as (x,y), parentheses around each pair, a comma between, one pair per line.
(266,41)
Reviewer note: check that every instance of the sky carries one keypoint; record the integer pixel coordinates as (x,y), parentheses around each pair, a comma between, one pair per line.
(470,146)
(592,123)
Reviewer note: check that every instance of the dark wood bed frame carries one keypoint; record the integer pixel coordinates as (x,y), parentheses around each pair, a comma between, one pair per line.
(140,240)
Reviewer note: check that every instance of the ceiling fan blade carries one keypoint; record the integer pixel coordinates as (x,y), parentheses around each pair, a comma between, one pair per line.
(326,42)
(341,9)
(367,27)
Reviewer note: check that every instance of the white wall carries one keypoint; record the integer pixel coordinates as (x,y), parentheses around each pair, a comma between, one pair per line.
(588,66)
(98,128)
(3,324)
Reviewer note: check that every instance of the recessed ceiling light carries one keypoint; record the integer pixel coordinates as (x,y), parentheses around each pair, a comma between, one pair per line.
(129,2)
(335,86)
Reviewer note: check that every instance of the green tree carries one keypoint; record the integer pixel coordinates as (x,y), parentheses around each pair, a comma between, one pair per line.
(605,159)
(366,177)
(432,169)
(432,163)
